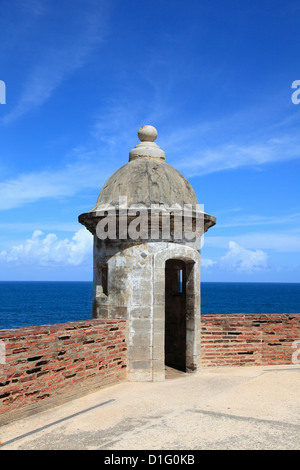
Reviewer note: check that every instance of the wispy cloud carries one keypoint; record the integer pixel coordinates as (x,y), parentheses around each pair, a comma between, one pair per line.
(34,7)
(232,156)
(23,227)
(249,137)
(57,60)
(63,182)
(111,139)
(276,241)
(252,220)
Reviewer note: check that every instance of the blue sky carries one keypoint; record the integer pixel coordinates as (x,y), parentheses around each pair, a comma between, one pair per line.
(214,78)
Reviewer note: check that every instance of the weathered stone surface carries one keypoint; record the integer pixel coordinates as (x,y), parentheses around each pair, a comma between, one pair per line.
(147,181)
(130,276)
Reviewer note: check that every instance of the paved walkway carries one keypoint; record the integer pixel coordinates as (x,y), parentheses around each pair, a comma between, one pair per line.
(228,408)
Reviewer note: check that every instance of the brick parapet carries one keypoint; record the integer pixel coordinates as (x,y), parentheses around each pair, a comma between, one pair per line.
(48,365)
(248,339)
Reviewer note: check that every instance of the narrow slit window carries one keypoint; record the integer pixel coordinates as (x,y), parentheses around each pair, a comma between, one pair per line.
(104,280)
(180,281)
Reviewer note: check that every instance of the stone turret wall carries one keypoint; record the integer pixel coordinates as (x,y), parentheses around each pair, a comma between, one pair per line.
(136,292)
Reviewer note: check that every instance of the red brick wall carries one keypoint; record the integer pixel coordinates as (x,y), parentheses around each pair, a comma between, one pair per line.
(248,339)
(48,365)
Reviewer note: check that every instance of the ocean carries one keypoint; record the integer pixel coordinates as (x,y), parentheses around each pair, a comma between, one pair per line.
(47,303)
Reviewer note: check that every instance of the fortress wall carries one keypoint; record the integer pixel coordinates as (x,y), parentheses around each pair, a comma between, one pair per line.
(249,339)
(45,366)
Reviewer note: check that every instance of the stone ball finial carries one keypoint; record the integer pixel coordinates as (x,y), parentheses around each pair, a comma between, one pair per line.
(147,147)
(147,133)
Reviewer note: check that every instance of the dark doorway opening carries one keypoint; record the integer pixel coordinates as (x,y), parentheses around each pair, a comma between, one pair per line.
(175,314)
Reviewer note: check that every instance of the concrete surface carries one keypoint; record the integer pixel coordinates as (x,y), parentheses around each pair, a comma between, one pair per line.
(229,408)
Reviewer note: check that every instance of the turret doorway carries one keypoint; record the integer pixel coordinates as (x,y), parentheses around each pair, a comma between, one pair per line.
(175,314)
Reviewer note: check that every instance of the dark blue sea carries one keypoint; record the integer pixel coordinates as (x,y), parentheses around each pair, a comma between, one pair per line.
(46,303)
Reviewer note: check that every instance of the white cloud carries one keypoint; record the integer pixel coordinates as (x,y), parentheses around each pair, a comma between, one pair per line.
(48,250)
(241,259)
(207,263)
(238,258)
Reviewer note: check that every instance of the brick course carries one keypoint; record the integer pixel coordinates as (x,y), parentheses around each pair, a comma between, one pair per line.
(48,365)
(248,339)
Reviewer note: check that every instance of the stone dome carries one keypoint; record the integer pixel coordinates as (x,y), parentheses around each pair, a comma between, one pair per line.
(146,179)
